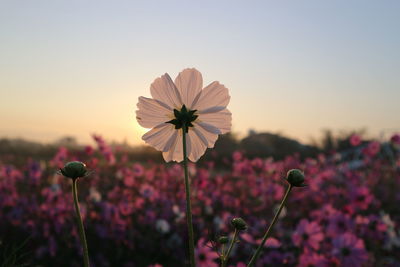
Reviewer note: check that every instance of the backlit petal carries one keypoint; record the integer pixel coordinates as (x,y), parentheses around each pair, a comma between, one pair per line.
(206,137)
(151,113)
(159,136)
(164,90)
(197,145)
(189,83)
(214,95)
(175,153)
(208,127)
(221,120)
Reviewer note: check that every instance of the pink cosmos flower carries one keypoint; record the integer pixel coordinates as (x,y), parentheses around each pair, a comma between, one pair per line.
(339,223)
(395,139)
(355,140)
(271,242)
(372,149)
(184,104)
(349,250)
(308,234)
(361,197)
(205,255)
(308,259)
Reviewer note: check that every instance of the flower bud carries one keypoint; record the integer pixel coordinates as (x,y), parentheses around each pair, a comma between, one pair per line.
(223,239)
(74,170)
(295,178)
(239,224)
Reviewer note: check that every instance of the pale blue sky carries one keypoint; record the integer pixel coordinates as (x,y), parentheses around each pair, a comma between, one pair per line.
(295,67)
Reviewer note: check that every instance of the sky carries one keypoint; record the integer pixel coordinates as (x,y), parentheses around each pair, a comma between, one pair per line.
(74,68)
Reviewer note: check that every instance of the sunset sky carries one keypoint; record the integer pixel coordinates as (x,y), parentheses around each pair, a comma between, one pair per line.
(293,67)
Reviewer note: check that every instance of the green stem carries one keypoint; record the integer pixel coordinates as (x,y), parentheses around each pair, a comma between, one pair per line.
(233,241)
(188,204)
(80,223)
(274,220)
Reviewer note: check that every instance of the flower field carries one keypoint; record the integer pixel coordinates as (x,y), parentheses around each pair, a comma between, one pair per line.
(134,212)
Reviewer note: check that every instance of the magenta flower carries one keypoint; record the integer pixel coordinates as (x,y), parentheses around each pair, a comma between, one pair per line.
(308,259)
(372,148)
(355,140)
(339,223)
(308,235)
(395,139)
(205,255)
(350,250)
(361,198)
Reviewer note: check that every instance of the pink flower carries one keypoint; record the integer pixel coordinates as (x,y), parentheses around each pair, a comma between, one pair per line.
(205,255)
(60,158)
(372,149)
(309,258)
(138,169)
(89,150)
(395,139)
(308,234)
(129,180)
(104,148)
(237,156)
(349,250)
(361,198)
(339,223)
(271,242)
(355,140)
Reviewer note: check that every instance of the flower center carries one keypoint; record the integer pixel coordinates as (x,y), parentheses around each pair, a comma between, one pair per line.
(345,251)
(202,257)
(183,117)
(305,236)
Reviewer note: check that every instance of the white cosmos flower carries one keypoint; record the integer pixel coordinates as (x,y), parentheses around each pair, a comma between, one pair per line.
(206,108)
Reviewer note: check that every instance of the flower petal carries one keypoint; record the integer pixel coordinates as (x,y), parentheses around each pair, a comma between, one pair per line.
(206,137)
(208,127)
(221,120)
(171,141)
(211,110)
(169,155)
(164,90)
(159,137)
(214,95)
(151,112)
(189,83)
(197,145)
(175,153)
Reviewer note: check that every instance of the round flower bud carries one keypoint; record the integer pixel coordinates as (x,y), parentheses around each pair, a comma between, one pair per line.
(295,178)
(74,170)
(223,239)
(239,224)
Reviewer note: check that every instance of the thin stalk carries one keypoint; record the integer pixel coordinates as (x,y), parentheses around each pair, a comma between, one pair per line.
(188,203)
(233,241)
(80,223)
(274,220)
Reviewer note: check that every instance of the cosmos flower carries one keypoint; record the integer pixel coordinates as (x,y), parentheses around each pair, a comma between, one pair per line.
(395,139)
(205,255)
(308,234)
(355,140)
(349,250)
(339,223)
(184,104)
(309,258)
(372,149)
(361,197)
